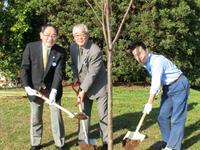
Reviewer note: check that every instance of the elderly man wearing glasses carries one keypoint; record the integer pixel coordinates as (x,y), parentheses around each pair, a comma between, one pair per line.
(89,70)
(42,70)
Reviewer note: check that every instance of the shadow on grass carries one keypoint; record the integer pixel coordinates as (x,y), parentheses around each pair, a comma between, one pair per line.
(94,132)
(130,121)
(188,142)
(67,145)
(188,131)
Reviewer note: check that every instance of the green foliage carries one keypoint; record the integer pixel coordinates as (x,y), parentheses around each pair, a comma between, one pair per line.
(13,26)
(125,69)
(168,27)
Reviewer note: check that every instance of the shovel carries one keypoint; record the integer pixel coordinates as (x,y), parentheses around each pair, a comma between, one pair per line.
(132,139)
(83,123)
(79,116)
(88,144)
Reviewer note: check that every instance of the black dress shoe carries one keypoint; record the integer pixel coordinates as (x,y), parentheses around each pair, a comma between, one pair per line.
(35,147)
(160,145)
(105,147)
(60,148)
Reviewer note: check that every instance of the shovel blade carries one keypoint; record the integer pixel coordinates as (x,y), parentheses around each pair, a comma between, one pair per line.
(90,141)
(134,136)
(80,116)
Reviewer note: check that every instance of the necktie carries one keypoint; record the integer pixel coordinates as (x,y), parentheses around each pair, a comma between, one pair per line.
(45,57)
(80,52)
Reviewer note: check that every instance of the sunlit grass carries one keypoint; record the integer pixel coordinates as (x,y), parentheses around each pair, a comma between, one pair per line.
(128,104)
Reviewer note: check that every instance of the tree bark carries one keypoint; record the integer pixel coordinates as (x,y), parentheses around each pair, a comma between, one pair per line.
(110,102)
(107,30)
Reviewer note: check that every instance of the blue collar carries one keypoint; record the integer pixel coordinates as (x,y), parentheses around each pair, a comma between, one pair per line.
(148,59)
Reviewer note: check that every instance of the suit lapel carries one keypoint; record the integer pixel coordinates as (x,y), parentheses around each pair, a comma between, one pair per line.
(39,56)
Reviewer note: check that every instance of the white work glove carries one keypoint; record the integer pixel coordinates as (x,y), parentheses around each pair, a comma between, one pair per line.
(30,91)
(52,96)
(147,108)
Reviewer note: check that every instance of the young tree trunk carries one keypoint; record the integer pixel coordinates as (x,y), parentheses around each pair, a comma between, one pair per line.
(107,28)
(110,103)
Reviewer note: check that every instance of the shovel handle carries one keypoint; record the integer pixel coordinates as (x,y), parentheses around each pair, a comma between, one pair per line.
(140,122)
(82,121)
(74,87)
(70,114)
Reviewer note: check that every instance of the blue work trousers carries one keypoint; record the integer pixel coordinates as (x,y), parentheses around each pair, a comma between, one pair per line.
(173,110)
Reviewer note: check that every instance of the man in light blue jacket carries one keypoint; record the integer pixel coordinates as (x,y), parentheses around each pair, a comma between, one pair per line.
(173,107)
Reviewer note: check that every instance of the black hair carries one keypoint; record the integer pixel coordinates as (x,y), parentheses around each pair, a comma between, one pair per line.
(136,44)
(48,25)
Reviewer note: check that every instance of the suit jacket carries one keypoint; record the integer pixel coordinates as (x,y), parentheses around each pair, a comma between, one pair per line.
(89,69)
(32,70)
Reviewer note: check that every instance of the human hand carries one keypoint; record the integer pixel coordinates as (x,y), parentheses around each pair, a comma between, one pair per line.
(52,96)
(30,91)
(147,108)
(76,86)
(81,95)
(76,82)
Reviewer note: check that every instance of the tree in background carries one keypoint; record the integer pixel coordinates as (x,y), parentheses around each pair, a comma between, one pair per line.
(16,28)
(170,27)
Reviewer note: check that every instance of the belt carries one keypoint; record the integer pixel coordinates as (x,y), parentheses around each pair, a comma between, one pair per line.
(175,80)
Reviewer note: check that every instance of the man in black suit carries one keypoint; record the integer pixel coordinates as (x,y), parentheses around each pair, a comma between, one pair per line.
(42,70)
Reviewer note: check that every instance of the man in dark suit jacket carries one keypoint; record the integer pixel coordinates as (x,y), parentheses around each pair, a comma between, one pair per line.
(42,70)
(88,69)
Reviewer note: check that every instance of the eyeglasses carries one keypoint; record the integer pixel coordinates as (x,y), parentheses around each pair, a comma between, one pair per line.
(80,35)
(53,36)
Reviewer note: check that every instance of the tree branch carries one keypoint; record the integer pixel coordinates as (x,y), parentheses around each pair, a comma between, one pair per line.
(122,23)
(94,12)
(108,25)
(104,24)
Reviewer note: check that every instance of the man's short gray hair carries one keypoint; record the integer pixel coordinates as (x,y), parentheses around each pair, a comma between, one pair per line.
(78,26)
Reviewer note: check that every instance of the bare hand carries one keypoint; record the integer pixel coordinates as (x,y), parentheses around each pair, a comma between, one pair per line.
(81,95)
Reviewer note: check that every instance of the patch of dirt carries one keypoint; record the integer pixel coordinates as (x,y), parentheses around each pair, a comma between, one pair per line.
(12,97)
(89,147)
(130,84)
(130,144)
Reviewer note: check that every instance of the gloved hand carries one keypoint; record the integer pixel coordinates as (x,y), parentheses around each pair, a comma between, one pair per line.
(30,91)
(147,108)
(52,96)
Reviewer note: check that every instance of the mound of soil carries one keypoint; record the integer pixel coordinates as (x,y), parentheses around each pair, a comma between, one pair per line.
(130,144)
(89,147)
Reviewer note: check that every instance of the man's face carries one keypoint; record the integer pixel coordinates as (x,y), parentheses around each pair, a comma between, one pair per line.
(80,37)
(48,37)
(140,54)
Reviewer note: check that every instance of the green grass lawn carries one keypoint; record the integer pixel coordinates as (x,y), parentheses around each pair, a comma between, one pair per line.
(127,109)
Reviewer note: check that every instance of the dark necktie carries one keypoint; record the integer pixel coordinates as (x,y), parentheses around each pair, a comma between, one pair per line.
(80,51)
